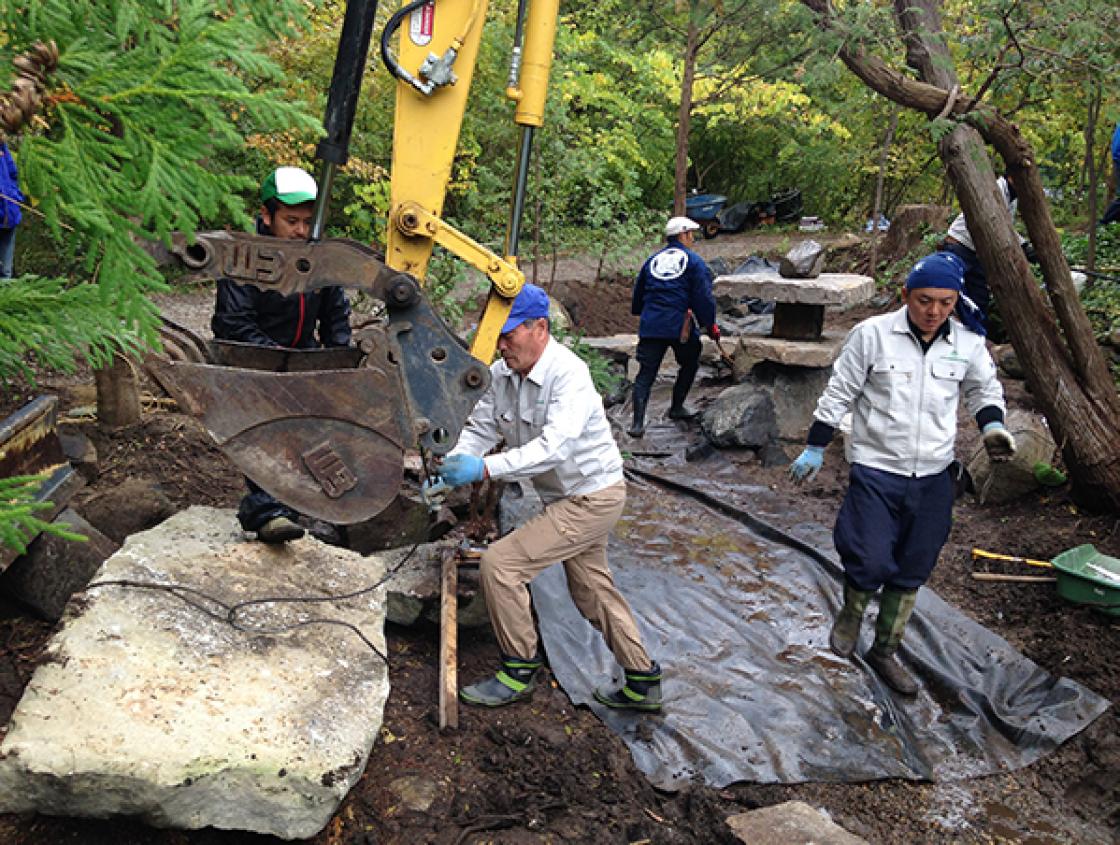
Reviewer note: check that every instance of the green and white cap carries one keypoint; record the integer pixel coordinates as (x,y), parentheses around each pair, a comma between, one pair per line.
(289,185)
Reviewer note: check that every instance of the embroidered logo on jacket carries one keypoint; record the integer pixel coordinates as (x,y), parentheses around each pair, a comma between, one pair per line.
(668,264)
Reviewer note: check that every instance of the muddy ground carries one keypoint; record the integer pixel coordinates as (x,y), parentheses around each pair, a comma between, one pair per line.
(550,772)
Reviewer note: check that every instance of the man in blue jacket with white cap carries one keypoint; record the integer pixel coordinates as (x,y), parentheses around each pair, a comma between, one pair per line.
(901,376)
(673,294)
(543,405)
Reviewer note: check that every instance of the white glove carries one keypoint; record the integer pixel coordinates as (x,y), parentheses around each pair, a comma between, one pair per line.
(998,442)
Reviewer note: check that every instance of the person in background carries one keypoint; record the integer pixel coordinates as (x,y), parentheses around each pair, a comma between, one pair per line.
(311,320)
(11,213)
(958,241)
(543,405)
(1112,213)
(673,293)
(901,376)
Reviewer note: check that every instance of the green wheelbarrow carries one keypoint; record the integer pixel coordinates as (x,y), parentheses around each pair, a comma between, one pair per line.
(1086,576)
(1083,575)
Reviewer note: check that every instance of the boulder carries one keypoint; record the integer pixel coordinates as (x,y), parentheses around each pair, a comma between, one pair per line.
(804,261)
(740,416)
(773,401)
(790,823)
(54,568)
(1004,482)
(158,701)
(133,506)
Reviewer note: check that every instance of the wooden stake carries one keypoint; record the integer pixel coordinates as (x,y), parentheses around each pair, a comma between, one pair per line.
(449,640)
(995,576)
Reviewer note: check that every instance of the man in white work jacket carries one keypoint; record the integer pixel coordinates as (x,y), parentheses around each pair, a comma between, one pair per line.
(543,405)
(901,376)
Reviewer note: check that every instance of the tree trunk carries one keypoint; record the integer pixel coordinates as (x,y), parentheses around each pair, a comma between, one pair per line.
(1065,368)
(1092,114)
(877,202)
(118,393)
(684,118)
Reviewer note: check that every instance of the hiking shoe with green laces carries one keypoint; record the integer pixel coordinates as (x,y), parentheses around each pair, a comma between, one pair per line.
(642,691)
(513,682)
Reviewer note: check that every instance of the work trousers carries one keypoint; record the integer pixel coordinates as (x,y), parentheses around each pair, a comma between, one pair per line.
(7,251)
(573,530)
(891,528)
(1112,213)
(258,507)
(651,351)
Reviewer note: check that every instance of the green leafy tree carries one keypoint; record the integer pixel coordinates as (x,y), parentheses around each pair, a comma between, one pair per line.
(149,97)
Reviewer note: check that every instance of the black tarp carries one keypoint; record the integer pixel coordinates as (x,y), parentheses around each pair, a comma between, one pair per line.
(739,620)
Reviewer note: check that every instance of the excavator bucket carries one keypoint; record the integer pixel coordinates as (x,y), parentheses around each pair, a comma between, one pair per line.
(329,443)
(325,430)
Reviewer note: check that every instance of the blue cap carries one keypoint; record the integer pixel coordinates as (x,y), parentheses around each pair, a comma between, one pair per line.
(940,270)
(946,270)
(530,304)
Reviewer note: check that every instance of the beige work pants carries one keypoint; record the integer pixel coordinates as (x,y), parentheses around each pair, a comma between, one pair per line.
(574,530)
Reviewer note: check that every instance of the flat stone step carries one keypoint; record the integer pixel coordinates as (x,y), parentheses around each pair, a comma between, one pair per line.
(841,289)
(150,704)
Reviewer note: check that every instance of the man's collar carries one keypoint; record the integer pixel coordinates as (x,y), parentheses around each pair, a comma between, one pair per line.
(907,325)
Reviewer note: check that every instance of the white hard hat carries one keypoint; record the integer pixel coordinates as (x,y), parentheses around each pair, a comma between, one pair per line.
(677,225)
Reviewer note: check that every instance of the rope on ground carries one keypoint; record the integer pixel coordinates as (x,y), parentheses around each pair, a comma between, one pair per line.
(228,613)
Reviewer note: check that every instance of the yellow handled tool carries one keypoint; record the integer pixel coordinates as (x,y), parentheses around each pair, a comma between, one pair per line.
(980,554)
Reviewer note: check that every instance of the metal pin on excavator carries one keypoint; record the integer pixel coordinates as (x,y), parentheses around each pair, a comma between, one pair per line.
(325,432)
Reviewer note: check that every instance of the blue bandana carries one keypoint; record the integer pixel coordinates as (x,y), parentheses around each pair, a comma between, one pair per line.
(946,271)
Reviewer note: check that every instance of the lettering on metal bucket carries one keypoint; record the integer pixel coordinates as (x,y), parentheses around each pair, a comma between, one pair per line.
(330,470)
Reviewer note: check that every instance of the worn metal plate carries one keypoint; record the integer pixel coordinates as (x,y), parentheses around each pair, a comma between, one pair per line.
(279,359)
(329,444)
(29,445)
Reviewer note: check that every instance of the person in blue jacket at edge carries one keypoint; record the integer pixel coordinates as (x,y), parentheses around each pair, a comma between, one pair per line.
(1112,213)
(247,314)
(673,295)
(901,375)
(10,211)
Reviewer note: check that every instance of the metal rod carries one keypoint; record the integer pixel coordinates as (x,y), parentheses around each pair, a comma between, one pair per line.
(520,180)
(342,101)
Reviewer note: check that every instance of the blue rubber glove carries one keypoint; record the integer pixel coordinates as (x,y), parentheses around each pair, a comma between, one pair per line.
(458,470)
(998,442)
(433,492)
(808,464)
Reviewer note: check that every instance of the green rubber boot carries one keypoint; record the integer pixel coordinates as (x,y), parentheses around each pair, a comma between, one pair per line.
(513,682)
(641,691)
(845,630)
(895,607)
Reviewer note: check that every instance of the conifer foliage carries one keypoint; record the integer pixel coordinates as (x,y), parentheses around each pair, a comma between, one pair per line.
(148,99)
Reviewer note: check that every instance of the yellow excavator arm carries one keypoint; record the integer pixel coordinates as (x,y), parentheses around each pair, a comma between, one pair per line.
(443,40)
(325,438)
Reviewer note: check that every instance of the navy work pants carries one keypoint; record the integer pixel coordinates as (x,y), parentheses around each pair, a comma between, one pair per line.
(891,527)
(651,351)
(258,507)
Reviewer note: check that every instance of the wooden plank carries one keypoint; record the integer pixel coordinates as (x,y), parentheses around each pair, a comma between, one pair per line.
(1028,579)
(449,640)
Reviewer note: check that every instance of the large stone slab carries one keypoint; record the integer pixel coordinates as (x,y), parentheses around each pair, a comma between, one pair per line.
(796,353)
(791,823)
(151,704)
(842,289)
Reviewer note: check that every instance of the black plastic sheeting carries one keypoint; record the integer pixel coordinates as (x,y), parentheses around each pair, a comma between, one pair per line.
(739,620)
